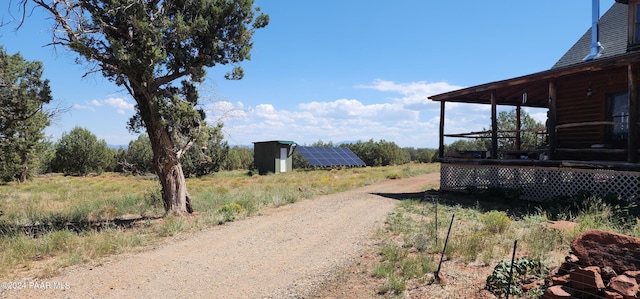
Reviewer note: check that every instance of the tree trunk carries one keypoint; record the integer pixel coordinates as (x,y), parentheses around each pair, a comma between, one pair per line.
(24,173)
(175,196)
(166,163)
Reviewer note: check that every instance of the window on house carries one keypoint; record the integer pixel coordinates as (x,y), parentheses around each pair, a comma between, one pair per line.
(618,112)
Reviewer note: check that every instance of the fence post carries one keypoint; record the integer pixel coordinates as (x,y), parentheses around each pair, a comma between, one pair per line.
(513,257)
(444,248)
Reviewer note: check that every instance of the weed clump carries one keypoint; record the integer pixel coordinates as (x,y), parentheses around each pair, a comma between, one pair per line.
(495,221)
(230,211)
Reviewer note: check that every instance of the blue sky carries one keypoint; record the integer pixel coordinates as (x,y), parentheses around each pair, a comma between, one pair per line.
(338,70)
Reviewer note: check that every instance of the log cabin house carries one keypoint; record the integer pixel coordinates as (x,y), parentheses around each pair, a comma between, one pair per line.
(591,134)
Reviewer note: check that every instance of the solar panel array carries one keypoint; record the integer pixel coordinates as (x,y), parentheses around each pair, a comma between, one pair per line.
(329,156)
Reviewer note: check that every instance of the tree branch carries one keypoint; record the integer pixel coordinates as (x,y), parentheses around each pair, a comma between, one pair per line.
(169,78)
(190,143)
(72,39)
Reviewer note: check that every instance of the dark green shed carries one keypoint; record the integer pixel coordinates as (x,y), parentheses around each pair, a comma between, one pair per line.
(273,156)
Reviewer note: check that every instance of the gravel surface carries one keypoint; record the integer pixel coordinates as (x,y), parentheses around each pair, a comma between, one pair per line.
(286,252)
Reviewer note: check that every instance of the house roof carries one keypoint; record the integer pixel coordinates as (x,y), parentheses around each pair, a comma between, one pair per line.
(613,37)
(282,142)
(612,29)
(510,91)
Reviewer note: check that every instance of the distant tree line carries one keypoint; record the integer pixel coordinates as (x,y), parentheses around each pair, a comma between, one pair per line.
(376,153)
(79,152)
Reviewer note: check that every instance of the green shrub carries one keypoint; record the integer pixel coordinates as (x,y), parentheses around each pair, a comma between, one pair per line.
(470,246)
(416,266)
(393,285)
(170,226)
(230,211)
(421,242)
(540,240)
(391,253)
(495,221)
(79,152)
(383,270)
(394,176)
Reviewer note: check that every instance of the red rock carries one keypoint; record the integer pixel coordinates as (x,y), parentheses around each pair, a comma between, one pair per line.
(564,279)
(586,279)
(612,295)
(532,285)
(633,274)
(441,278)
(553,271)
(562,225)
(567,267)
(596,247)
(558,292)
(625,285)
(572,259)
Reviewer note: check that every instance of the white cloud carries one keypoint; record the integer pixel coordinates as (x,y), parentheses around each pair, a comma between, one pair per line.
(349,109)
(409,118)
(420,87)
(337,121)
(538,114)
(414,94)
(82,107)
(223,110)
(398,112)
(120,104)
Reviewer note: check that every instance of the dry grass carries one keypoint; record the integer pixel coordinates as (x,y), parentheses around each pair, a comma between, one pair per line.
(482,235)
(56,221)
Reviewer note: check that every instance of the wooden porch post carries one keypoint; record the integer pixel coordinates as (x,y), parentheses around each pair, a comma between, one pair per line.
(632,138)
(551,120)
(494,125)
(441,147)
(518,127)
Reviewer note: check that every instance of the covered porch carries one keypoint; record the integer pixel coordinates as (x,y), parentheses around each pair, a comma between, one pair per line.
(589,141)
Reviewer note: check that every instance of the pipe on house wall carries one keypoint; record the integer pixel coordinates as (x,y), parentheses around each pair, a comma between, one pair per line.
(596,47)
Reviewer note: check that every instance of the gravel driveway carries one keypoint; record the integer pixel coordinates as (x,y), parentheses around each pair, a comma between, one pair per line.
(286,252)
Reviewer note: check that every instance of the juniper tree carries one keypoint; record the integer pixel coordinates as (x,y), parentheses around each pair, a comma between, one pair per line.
(158,50)
(79,152)
(23,93)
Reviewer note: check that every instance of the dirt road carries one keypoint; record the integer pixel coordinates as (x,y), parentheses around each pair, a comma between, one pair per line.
(287,252)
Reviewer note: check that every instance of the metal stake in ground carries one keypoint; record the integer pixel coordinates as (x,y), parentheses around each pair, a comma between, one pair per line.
(438,277)
(513,257)
(435,207)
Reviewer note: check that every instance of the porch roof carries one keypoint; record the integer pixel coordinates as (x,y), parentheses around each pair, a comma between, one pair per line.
(510,92)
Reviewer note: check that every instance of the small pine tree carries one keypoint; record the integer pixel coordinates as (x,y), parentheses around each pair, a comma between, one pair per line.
(79,152)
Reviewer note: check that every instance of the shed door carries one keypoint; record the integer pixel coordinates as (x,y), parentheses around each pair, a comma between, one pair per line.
(283,159)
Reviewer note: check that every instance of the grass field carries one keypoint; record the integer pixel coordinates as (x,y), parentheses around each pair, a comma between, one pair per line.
(56,221)
(483,233)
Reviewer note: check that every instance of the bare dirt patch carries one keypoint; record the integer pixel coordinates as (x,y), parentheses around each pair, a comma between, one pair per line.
(293,251)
